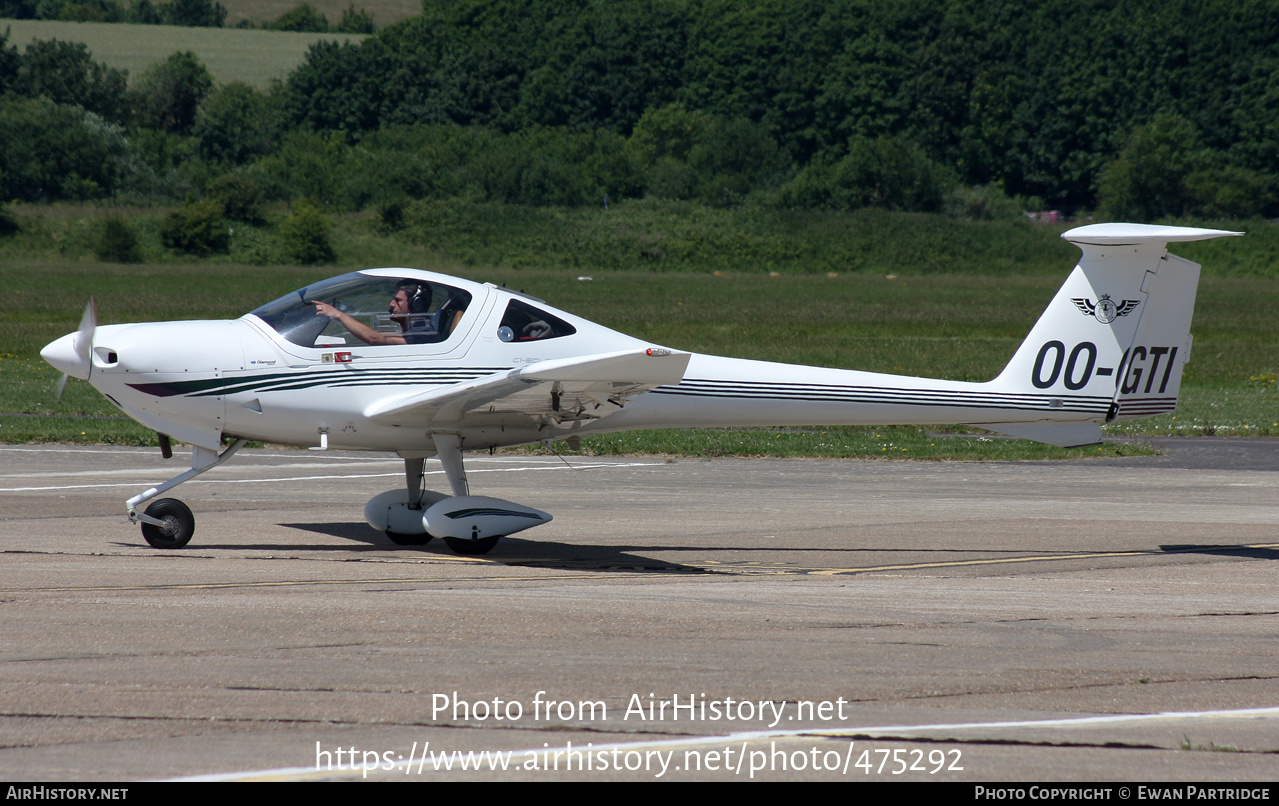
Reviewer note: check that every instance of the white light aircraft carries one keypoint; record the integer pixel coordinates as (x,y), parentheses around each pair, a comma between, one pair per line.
(452,366)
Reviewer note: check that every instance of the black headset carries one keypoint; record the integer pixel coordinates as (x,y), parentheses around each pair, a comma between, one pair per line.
(419,295)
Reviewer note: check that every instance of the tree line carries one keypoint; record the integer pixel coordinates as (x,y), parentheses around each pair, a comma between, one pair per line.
(187,13)
(1138,108)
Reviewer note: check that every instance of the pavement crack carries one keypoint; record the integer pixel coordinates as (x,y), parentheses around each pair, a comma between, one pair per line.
(915,739)
(1238,613)
(1082,686)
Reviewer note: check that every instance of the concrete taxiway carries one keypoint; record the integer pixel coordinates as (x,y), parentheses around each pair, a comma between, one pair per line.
(725,619)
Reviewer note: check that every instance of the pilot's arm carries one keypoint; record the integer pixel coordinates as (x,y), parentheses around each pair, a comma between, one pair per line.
(357,328)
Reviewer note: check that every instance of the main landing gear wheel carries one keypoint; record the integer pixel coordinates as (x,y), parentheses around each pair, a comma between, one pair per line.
(401,539)
(472,547)
(179,524)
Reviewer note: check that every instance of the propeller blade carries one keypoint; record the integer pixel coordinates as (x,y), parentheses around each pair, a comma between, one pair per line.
(84,334)
(82,343)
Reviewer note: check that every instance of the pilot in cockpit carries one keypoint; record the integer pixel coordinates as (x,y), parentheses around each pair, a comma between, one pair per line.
(410,308)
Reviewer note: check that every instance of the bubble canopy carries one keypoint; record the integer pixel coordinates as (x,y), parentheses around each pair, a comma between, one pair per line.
(434,309)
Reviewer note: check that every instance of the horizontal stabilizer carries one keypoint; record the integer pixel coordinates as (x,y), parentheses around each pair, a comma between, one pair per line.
(1133,234)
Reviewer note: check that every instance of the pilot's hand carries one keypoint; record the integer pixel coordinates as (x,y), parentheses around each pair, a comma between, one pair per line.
(324,309)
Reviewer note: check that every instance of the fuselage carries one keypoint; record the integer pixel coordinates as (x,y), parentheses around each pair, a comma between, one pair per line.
(284,374)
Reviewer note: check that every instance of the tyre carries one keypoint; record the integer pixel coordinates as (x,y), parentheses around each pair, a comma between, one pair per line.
(472,547)
(179,524)
(401,539)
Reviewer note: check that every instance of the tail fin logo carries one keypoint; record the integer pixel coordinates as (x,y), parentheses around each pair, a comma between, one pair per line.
(1106,310)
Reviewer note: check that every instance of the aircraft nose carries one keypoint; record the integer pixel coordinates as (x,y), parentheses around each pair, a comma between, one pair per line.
(63,356)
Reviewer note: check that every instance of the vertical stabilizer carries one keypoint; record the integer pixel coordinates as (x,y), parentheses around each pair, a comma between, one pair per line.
(1118,330)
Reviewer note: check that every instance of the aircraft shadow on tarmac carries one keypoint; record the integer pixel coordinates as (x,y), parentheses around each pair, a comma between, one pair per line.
(510,551)
(515,551)
(1250,552)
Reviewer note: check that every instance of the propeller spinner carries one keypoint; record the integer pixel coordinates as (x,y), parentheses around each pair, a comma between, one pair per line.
(71,352)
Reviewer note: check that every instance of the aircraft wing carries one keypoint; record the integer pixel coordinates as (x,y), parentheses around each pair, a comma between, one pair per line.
(559,391)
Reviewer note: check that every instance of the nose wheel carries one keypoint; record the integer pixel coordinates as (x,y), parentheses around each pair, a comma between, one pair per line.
(177,524)
(168,523)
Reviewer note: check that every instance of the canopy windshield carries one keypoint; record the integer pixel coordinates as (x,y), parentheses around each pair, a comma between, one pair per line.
(433,311)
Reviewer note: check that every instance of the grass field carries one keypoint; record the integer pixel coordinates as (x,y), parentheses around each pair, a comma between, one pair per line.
(254,57)
(952,325)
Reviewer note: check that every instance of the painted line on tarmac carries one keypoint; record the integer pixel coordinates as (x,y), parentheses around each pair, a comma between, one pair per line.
(1037,558)
(255,452)
(298,583)
(202,481)
(399,474)
(250,454)
(1064,722)
(160,471)
(539,759)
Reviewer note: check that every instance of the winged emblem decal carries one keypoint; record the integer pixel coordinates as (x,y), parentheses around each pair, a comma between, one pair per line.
(1106,310)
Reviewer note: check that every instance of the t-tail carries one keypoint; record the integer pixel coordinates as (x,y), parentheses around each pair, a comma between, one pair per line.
(1116,336)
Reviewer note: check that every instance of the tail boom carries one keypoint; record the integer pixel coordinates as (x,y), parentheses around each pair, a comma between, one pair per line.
(1110,346)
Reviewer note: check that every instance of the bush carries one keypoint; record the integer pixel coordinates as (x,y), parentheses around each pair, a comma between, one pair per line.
(52,151)
(197,228)
(169,93)
(305,235)
(982,203)
(890,173)
(8,224)
(1231,191)
(355,21)
(390,216)
(117,242)
(233,124)
(240,196)
(301,18)
(65,73)
(307,165)
(144,12)
(1165,171)
(193,13)
(91,11)
(684,154)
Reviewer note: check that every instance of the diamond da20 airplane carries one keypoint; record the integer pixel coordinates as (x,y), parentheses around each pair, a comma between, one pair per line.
(456,366)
